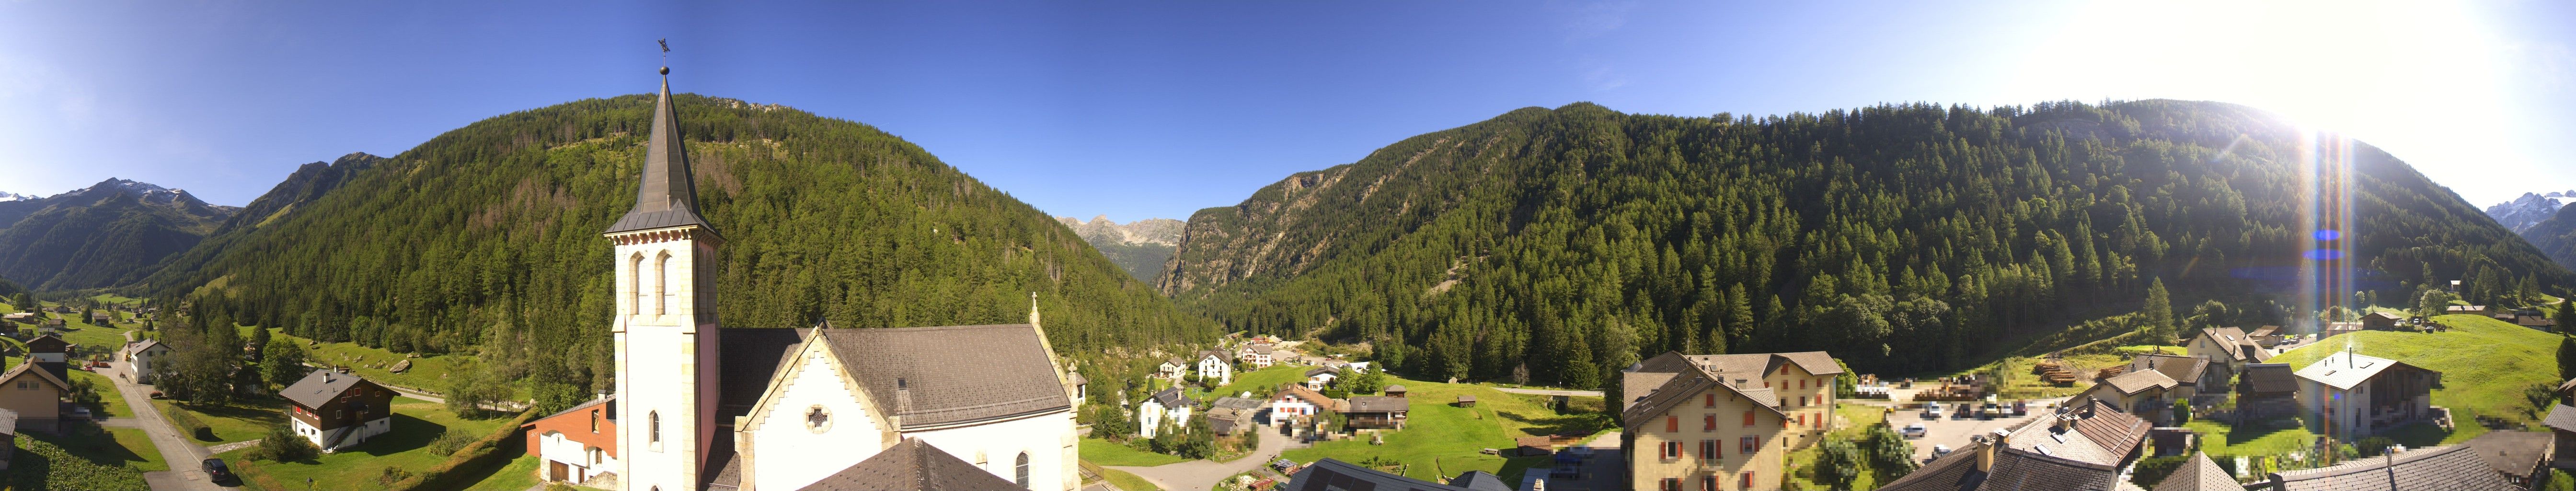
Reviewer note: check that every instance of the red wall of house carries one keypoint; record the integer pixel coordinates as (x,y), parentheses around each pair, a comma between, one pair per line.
(575,426)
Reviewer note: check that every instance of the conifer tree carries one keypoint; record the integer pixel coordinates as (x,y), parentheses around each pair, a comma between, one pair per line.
(2159,314)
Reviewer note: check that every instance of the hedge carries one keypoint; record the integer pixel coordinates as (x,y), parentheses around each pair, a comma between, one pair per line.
(493,449)
(188,422)
(41,465)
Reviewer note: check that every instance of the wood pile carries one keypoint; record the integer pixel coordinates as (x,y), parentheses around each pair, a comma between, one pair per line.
(2110,371)
(2055,373)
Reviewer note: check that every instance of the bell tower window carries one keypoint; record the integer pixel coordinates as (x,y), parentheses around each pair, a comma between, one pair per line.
(635,284)
(662,283)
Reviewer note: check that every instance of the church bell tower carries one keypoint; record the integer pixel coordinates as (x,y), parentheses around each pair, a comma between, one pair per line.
(666,319)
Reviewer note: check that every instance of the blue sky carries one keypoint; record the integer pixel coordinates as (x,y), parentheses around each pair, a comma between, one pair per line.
(1158,109)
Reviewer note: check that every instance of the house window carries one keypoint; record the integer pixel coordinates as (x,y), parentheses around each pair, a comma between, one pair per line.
(1708,483)
(1672,484)
(594,421)
(1748,445)
(1708,450)
(1708,423)
(1802,384)
(1748,418)
(1672,450)
(1024,470)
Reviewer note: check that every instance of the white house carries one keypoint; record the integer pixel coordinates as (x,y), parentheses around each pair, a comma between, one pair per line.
(1214,366)
(1168,404)
(707,407)
(139,359)
(1258,355)
(1295,401)
(1318,377)
(1173,368)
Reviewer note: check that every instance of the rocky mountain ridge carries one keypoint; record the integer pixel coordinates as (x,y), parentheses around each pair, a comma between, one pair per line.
(1141,247)
(2530,209)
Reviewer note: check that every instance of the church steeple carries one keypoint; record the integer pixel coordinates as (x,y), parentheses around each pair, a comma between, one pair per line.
(668,196)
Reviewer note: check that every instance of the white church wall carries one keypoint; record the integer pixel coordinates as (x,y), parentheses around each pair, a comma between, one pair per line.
(786,454)
(997,446)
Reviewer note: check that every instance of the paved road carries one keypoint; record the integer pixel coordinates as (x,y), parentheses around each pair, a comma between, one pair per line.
(181,452)
(1552,392)
(1204,474)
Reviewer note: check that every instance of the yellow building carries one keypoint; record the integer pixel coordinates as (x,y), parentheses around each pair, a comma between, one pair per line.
(1722,422)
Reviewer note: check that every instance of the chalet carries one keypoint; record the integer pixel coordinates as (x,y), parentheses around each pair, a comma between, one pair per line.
(336,410)
(2449,468)
(36,396)
(2079,447)
(102,317)
(1377,412)
(21,317)
(2228,349)
(2535,322)
(1395,391)
(49,326)
(8,438)
(1319,377)
(2562,426)
(2338,328)
(2267,390)
(1297,401)
(577,444)
(2191,374)
(1712,420)
(2520,457)
(1213,365)
(2148,393)
(1258,355)
(1167,408)
(1334,474)
(2360,395)
(2477,310)
(51,354)
(142,357)
(1172,368)
(2267,336)
(2381,321)
(1230,414)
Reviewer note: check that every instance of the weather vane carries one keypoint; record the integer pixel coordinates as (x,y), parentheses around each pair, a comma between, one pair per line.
(666,54)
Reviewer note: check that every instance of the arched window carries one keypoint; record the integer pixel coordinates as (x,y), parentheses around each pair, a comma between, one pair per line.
(662,283)
(653,427)
(1024,470)
(635,284)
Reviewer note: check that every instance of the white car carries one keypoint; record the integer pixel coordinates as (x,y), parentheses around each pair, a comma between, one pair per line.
(1913,430)
(1940,450)
(1932,411)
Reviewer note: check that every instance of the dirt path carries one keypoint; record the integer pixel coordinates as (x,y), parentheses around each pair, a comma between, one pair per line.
(1204,474)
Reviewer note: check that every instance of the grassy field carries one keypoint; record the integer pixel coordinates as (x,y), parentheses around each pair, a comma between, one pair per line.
(520,475)
(241,421)
(427,373)
(2486,366)
(1442,440)
(1104,452)
(1260,382)
(111,404)
(1127,481)
(415,424)
(2219,439)
(129,447)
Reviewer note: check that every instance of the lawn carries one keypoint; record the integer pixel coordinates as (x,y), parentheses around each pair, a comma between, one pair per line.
(1260,382)
(520,475)
(241,421)
(2486,366)
(130,447)
(111,404)
(427,373)
(1442,440)
(415,424)
(2220,440)
(1126,481)
(1104,452)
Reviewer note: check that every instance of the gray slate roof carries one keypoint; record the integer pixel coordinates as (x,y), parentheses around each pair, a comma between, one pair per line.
(954,373)
(1170,398)
(317,388)
(2185,370)
(2514,453)
(911,466)
(1480,481)
(2272,378)
(2562,418)
(2134,382)
(2449,468)
(1237,403)
(2199,474)
(2345,369)
(1380,404)
(8,422)
(668,196)
(749,357)
(1335,474)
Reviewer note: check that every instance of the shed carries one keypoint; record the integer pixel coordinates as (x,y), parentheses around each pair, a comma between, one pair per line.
(1466,401)
(1395,391)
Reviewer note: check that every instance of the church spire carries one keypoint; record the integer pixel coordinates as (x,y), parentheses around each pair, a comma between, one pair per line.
(668,196)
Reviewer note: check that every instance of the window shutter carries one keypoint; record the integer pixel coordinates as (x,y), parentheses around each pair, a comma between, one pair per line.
(1748,418)
(1708,400)
(1708,422)
(1672,423)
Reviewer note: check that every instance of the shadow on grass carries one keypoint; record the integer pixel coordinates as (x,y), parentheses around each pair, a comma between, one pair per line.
(406,434)
(1564,424)
(2239,435)
(92,443)
(2417,435)
(1515,467)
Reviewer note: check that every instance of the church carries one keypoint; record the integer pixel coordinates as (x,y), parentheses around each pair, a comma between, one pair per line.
(702,406)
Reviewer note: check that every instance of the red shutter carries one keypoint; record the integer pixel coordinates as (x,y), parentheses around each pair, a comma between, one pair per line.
(1748,418)
(1672,423)
(1708,422)
(1715,451)
(1748,480)
(1709,400)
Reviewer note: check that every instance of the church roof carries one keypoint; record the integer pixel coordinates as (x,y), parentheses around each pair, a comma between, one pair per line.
(668,196)
(952,374)
(910,466)
(749,357)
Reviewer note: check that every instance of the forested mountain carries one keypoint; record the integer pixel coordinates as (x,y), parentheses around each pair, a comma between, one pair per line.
(487,238)
(309,182)
(1140,247)
(2521,213)
(109,233)
(2556,237)
(1562,244)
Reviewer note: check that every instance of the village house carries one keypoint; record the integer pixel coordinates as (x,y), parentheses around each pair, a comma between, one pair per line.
(1257,355)
(1166,409)
(1172,368)
(50,326)
(142,358)
(336,410)
(1395,391)
(52,355)
(2359,395)
(1722,421)
(21,317)
(1230,414)
(1296,403)
(2520,457)
(2199,474)
(702,406)
(2191,375)
(2447,468)
(1319,377)
(102,317)
(2267,336)
(2147,393)
(2267,390)
(1213,365)
(2535,321)
(1377,412)
(577,444)
(36,396)
(2381,321)
(2228,349)
(2333,329)
(2562,427)
(2081,446)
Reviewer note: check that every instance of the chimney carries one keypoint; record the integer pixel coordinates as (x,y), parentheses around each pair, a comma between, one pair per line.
(1986,452)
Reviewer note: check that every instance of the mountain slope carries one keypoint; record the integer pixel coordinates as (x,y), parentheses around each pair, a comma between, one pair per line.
(488,238)
(2556,236)
(1563,243)
(2521,213)
(1140,247)
(109,233)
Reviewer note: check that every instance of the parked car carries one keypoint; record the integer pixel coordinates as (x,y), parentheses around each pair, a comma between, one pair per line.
(1940,450)
(1932,411)
(216,471)
(1913,430)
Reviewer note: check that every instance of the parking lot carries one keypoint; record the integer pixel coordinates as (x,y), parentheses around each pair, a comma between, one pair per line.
(1953,432)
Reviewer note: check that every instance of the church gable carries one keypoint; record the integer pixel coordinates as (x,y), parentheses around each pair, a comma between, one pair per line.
(812,402)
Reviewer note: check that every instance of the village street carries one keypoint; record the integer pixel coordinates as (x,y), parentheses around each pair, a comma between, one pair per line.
(181,452)
(1204,474)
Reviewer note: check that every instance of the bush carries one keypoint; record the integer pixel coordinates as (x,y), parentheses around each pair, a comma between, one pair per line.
(391,475)
(2153,470)
(283,445)
(2373,446)
(41,465)
(447,443)
(188,423)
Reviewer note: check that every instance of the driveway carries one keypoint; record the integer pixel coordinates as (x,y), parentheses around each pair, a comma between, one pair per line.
(181,452)
(1204,474)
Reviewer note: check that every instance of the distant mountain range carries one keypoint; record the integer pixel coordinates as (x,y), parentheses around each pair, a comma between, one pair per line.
(2530,209)
(6,196)
(1141,247)
(106,234)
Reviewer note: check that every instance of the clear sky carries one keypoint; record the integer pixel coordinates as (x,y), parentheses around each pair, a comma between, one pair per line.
(1158,109)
